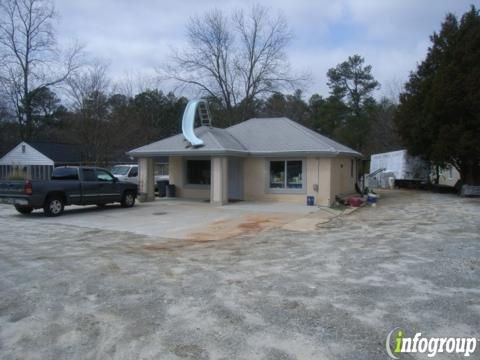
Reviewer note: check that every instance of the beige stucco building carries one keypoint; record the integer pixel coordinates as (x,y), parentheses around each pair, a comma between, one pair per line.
(267,159)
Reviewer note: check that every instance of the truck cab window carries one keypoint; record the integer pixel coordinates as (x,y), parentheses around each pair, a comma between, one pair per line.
(133,172)
(89,175)
(65,173)
(102,175)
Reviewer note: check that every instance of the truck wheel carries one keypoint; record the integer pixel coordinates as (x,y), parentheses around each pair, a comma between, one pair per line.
(54,206)
(23,209)
(128,199)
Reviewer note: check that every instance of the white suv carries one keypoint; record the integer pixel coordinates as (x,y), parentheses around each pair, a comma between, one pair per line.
(129,172)
(126,172)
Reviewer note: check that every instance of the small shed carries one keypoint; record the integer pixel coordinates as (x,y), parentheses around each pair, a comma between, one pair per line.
(36,160)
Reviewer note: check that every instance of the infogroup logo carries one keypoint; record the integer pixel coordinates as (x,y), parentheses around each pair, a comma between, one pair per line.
(398,343)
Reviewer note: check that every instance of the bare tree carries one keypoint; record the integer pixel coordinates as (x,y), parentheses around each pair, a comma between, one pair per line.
(236,58)
(88,94)
(208,63)
(29,56)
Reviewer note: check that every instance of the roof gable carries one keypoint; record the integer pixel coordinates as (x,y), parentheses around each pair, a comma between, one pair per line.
(24,154)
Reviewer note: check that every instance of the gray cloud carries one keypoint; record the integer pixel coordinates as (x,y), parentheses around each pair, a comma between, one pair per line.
(136,36)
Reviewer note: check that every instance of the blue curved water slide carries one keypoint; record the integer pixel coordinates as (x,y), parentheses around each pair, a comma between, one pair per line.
(188,122)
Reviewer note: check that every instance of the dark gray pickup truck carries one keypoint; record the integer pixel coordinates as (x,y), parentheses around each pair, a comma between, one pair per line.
(68,186)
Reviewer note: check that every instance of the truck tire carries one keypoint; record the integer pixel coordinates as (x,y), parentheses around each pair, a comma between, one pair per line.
(128,199)
(25,210)
(54,206)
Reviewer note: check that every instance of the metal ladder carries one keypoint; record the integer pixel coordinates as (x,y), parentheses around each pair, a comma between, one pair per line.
(204,114)
(378,171)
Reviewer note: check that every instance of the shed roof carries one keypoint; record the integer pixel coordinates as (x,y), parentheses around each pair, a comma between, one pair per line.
(258,137)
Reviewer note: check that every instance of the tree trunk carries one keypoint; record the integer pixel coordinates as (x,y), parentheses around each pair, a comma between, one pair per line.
(437,175)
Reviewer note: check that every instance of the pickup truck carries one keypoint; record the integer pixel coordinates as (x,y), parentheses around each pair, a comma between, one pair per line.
(68,186)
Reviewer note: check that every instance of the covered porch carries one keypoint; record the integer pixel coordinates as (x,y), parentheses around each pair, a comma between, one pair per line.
(217,179)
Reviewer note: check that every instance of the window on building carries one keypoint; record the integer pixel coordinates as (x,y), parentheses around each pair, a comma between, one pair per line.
(161,169)
(450,172)
(24,149)
(198,172)
(286,174)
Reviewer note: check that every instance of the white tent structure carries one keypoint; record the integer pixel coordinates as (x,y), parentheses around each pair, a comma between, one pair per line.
(401,164)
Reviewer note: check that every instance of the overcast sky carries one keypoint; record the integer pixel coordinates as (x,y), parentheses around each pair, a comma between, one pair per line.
(392,35)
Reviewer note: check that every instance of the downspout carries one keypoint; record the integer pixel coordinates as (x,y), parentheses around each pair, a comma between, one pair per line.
(318,178)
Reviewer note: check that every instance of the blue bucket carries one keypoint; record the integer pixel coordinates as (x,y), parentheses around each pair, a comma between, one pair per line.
(310,200)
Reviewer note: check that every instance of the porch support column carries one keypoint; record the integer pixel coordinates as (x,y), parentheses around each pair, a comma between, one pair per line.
(146,179)
(219,181)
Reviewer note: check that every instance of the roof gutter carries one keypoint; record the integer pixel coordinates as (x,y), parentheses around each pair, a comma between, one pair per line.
(243,153)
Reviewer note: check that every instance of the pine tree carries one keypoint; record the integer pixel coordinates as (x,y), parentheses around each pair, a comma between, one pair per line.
(439,113)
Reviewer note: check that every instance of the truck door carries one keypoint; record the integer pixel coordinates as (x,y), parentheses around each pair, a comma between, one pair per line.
(90,193)
(133,175)
(108,188)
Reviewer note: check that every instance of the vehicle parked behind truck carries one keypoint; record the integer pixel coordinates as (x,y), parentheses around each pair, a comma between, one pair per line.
(129,172)
(68,186)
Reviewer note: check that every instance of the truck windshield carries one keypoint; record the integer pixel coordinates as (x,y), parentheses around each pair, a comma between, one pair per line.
(65,173)
(120,170)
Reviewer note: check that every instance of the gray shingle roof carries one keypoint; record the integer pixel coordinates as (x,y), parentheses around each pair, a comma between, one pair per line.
(59,153)
(217,141)
(258,136)
(282,135)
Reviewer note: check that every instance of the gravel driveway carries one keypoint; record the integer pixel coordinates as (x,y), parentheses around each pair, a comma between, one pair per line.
(70,292)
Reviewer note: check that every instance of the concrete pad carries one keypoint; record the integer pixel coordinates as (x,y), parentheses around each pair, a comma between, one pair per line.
(177,218)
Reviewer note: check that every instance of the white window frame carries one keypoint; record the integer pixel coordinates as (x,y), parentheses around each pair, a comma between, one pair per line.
(285,190)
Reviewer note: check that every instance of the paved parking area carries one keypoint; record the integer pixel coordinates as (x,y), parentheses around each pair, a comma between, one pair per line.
(79,292)
(177,219)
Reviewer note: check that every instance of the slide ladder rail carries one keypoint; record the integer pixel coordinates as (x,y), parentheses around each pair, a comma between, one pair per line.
(376,172)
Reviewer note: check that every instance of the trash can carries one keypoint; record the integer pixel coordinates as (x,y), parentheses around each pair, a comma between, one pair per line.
(170,191)
(162,188)
(310,200)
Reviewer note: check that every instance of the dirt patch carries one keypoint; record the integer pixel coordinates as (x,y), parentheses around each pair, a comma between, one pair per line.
(172,245)
(228,228)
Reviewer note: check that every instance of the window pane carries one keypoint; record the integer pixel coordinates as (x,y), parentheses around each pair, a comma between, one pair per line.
(277,174)
(103,176)
(89,175)
(198,172)
(133,172)
(161,169)
(294,174)
(120,170)
(65,174)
